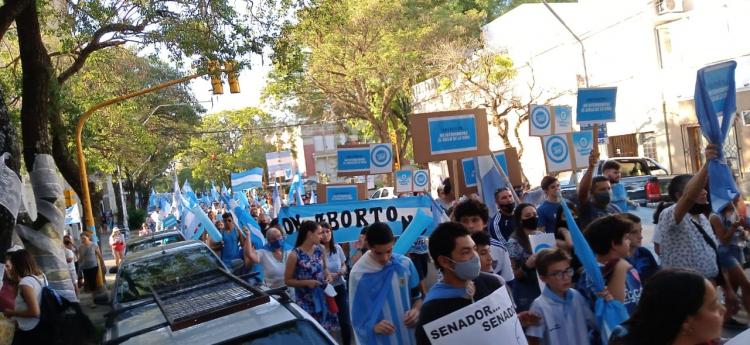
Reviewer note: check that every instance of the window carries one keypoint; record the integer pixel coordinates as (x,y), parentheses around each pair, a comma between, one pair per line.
(384,193)
(330,144)
(319,145)
(631,168)
(648,143)
(375,195)
(295,332)
(665,48)
(141,245)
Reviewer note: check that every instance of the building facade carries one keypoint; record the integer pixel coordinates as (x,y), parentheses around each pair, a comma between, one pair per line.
(649,50)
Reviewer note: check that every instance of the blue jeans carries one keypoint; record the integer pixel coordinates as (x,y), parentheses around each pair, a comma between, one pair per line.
(730,255)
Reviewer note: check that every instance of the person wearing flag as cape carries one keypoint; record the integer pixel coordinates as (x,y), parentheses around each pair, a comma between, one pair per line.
(384,292)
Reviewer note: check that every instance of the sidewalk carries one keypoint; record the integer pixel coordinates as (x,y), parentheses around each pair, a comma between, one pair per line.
(97,313)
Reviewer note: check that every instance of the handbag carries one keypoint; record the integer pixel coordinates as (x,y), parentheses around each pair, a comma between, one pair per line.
(720,278)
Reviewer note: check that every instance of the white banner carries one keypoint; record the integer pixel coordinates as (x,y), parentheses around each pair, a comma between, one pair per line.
(491,320)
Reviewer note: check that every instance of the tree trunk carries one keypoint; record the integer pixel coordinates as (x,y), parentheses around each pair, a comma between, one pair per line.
(8,143)
(43,237)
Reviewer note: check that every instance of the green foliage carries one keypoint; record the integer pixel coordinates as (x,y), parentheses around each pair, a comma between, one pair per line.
(232,141)
(136,217)
(353,58)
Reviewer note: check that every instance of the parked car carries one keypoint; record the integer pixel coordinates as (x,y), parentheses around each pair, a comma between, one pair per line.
(636,172)
(152,240)
(213,307)
(141,270)
(383,193)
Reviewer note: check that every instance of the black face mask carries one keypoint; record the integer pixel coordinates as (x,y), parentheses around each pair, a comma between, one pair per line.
(530,223)
(507,208)
(700,209)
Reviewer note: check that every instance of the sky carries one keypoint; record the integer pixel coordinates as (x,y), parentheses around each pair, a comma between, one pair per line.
(252,81)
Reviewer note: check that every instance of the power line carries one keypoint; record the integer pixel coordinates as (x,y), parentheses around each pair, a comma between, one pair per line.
(254,129)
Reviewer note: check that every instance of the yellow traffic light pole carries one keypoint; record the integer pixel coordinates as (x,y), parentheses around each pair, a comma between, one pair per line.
(86,198)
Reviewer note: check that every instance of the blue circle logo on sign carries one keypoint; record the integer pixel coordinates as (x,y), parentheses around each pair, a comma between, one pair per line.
(563,114)
(557,149)
(381,155)
(403,178)
(420,179)
(583,143)
(540,117)
(541,246)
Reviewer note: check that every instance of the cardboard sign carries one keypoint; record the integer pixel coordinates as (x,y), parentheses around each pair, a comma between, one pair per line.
(469,166)
(491,320)
(404,181)
(508,161)
(540,120)
(421,181)
(279,164)
(341,192)
(596,105)
(353,160)
(602,138)
(381,158)
(563,119)
(451,135)
(583,144)
(557,155)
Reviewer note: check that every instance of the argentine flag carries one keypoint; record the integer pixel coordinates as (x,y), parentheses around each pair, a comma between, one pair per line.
(252,178)
(490,180)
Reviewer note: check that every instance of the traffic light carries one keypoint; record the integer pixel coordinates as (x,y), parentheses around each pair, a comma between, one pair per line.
(232,76)
(394,141)
(69,197)
(216,85)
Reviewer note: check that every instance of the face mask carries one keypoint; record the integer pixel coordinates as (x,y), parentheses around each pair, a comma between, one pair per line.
(700,209)
(467,270)
(507,208)
(530,223)
(602,198)
(274,244)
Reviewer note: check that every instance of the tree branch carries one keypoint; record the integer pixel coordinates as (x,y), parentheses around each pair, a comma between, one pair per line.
(8,13)
(95,44)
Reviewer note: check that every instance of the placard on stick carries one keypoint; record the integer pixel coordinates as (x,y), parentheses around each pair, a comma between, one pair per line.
(508,161)
(557,153)
(353,160)
(451,135)
(341,192)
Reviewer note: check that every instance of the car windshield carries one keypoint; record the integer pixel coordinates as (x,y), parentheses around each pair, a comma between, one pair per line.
(631,168)
(145,244)
(136,278)
(298,332)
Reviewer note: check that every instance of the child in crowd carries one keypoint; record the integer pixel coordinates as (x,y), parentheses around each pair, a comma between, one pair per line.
(482,241)
(566,317)
(474,216)
(644,261)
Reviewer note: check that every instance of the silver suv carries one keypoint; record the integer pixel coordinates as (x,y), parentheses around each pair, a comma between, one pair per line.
(199,302)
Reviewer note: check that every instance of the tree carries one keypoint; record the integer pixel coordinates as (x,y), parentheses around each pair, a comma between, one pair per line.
(479,77)
(355,59)
(198,30)
(230,142)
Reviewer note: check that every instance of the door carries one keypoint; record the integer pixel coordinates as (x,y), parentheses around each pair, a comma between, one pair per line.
(623,146)
(695,147)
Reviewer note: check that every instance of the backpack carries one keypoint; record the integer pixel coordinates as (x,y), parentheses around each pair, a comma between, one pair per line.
(63,320)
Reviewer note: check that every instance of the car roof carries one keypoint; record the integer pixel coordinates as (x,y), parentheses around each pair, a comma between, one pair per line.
(224,328)
(169,248)
(154,236)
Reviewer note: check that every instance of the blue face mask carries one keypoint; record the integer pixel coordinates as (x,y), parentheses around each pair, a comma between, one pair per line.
(275,244)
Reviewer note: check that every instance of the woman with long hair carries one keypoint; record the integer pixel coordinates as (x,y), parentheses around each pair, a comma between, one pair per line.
(117,243)
(336,261)
(522,259)
(307,273)
(89,261)
(22,267)
(677,307)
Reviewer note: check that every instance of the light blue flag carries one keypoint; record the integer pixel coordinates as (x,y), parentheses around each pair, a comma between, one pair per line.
(313,198)
(153,201)
(300,190)
(252,178)
(490,180)
(608,314)
(416,228)
(290,199)
(214,193)
(176,198)
(202,223)
(245,220)
(242,200)
(189,194)
(715,106)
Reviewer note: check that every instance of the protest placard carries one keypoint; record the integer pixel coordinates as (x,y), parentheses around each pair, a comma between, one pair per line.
(541,242)
(451,135)
(381,158)
(511,165)
(404,181)
(469,166)
(341,192)
(421,181)
(540,120)
(563,119)
(583,145)
(353,160)
(596,105)
(557,156)
(489,321)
